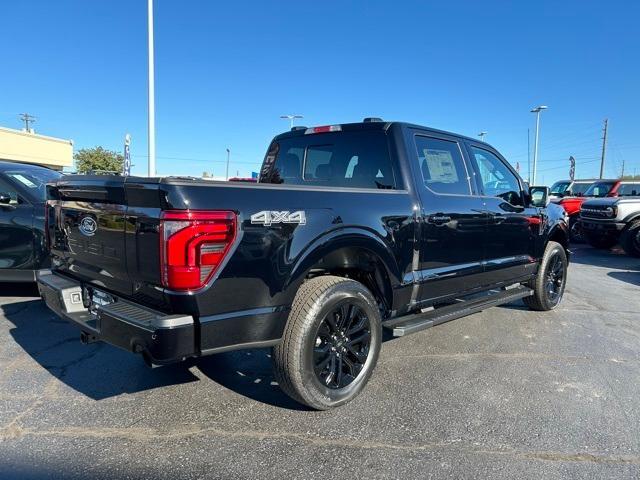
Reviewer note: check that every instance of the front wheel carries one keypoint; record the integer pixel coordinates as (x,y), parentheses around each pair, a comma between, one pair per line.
(331,343)
(549,284)
(630,240)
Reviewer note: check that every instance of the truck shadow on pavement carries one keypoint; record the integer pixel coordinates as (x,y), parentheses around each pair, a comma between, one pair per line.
(98,370)
(629,277)
(101,371)
(248,373)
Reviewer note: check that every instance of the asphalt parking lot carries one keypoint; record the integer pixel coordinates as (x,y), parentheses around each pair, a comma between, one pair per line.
(506,393)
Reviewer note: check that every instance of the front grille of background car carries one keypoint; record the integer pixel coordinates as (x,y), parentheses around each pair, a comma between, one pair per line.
(593,212)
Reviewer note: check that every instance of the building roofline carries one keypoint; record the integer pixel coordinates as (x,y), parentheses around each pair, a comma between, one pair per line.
(36,135)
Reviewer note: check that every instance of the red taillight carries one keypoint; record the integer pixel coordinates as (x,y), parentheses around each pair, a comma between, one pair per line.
(192,246)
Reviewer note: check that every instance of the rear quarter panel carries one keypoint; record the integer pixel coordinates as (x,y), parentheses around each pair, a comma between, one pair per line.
(268,263)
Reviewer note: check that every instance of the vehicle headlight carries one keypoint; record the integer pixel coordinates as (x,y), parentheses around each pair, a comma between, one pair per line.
(611,212)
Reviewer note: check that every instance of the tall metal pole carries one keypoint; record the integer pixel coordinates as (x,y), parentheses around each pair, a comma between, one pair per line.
(604,146)
(529,155)
(228,155)
(151,95)
(535,148)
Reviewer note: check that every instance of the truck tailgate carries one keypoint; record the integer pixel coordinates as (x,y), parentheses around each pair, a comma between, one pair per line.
(94,235)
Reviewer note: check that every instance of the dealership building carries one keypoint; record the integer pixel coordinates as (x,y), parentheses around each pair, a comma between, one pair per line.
(29,147)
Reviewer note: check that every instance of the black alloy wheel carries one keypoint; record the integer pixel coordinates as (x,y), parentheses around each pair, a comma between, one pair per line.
(331,342)
(549,283)
(555,279)
(341,345)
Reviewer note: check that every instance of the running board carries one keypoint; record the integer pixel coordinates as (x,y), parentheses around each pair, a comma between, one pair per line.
(408,324)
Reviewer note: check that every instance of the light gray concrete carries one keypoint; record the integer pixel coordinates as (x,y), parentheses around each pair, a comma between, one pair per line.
(506,393)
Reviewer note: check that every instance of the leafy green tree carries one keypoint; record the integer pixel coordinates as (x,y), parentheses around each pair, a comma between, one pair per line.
(98,159)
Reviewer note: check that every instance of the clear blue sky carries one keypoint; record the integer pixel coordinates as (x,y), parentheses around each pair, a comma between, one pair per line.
(226,71)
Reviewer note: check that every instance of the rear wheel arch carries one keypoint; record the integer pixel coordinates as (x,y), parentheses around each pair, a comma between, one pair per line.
(363,258)
(630,238)
(559,235)
(630,219)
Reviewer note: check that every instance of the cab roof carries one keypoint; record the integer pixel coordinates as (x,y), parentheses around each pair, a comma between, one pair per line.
(368,125)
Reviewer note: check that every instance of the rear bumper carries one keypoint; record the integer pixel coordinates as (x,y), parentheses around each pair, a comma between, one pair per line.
(16,275)
(160,338)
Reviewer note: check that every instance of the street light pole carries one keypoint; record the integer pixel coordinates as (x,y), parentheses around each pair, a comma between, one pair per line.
(537,111)
(228,155)
(291,118)
(151,95)
(481,135)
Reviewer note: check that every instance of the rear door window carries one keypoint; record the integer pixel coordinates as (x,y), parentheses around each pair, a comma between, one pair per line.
(442,166)
(629,189)
(356,159)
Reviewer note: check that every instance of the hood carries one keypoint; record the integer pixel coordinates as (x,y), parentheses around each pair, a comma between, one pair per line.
(610,201)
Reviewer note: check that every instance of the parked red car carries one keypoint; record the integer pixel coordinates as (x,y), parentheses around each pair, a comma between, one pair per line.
(572,204)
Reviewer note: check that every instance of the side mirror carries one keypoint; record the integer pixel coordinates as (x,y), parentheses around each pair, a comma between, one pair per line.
(5,199)
(539,196)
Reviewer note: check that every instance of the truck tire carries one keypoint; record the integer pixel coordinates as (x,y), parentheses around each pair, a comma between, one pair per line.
(601,242)
(331,343)
(549,284)
(630,239)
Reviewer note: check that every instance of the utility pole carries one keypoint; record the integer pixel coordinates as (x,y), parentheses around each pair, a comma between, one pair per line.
(604,146)
(26,118)
(228,155)
(151,119)
(622,175)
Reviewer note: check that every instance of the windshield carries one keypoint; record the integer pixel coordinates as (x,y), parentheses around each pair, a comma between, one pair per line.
(599,189)
(559,187)
(580,188)
(33,180)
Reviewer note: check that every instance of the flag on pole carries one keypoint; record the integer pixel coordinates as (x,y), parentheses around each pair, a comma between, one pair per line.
(572,168)
(126,166)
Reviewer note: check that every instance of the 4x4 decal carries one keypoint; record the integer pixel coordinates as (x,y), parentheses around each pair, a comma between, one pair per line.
(269,217)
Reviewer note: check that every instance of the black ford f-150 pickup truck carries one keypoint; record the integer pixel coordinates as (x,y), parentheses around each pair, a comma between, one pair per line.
(351,228)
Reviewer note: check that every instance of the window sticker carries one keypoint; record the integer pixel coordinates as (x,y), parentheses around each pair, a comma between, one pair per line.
(441,166)
(24,180)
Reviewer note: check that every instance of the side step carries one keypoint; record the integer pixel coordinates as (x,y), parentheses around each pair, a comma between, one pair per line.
(408,324)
